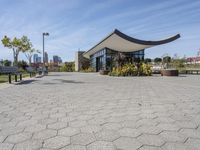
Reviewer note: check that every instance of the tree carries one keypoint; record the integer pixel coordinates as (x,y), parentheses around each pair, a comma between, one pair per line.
(22,64)
(29,54)
(157,60)
(166,59)
(17,45)
(7,62)
(14,44)
(147,60)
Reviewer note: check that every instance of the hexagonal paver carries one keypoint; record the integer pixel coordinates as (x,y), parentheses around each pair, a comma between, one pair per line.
(56,142)
(11,130)
(174,146)
(192,144)
(77,123)
(107,135)
(74,147)
(170,136)
(57,125)
(145,147)
(101,145)
(129,124)
(83,139)
(69,131)
(125,143)
(168,127)
(112,126)
(129,132)
(44,134)
(20,137)
(149,129)
(2,138)
(91,129)
(152,140)
(193,133)
(6,146)
(35,128)
(28,145)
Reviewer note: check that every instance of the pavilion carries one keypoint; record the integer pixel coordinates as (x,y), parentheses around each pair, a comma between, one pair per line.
(102,55)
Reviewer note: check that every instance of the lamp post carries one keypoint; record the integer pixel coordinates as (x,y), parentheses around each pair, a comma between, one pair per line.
(43,35)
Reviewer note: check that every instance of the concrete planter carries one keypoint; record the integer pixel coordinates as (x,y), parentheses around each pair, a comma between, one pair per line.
(169,72)
(104,72)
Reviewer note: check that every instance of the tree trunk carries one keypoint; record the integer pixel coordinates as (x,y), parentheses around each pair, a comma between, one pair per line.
(29,59)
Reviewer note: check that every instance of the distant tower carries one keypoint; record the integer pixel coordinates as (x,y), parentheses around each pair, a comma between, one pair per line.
(35,56)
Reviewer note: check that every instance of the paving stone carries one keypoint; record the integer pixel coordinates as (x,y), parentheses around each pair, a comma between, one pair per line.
(82,139)
(50,103)
(101,145)
(35,128)
(112,126)
(129,132)
(149,129)
(150,148)
(6,146)
(57,125)
(17,138)
(91,129)
(168,127)
(69,131)
(44,134)
(125,143)
(107,135)
(193,144)
(174,146)
(74,147)
(11,130)
(76,124)
(151,140)
(193,133)
(56,142)
(170,136)
(28,145)
(2,138)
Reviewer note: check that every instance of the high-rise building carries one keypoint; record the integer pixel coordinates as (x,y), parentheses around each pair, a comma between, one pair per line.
(38,60)
(46,58)
(35,56)
(57,59)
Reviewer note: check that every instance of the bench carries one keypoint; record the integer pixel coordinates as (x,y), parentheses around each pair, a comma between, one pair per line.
(10,71)
(31,71)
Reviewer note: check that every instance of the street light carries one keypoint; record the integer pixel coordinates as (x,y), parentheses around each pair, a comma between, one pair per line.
(44,34)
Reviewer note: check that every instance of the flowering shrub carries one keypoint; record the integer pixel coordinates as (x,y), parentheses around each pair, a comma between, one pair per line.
(132,70)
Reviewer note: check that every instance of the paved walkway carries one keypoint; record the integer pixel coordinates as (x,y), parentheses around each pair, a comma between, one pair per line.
(77,111)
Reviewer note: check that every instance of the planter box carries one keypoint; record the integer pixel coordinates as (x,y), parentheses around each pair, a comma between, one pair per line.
(104,72)
(169,72)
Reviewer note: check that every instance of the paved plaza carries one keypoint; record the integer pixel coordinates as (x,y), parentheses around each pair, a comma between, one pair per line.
(87,111)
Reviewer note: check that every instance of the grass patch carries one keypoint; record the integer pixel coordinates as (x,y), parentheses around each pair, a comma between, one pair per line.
(4,77)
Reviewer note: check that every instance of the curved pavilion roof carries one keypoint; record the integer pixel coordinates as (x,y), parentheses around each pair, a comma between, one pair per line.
(121,42)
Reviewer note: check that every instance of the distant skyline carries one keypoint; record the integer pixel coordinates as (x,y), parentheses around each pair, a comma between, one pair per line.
(79,24)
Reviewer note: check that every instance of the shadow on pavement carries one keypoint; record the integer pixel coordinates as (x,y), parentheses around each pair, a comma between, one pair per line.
(26,82)
(68,81)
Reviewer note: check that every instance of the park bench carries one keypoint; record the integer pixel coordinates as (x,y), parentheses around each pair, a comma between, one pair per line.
(10,71)
(31,71)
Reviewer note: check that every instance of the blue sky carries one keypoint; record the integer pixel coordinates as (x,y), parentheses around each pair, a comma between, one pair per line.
(79,24)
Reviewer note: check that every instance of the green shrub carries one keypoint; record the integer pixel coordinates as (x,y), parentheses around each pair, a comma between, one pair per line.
(90,69)
(68,67)
(131,70)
